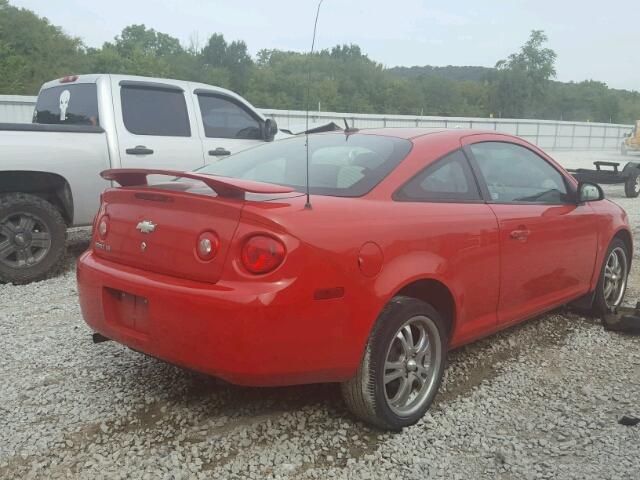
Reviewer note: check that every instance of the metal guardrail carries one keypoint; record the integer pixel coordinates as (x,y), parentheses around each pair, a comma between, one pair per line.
(16,108)
(548,134)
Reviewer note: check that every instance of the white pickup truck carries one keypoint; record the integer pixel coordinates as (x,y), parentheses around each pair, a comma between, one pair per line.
(49,170)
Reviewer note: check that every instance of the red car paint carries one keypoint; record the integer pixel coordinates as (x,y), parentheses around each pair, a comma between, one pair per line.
(345,258)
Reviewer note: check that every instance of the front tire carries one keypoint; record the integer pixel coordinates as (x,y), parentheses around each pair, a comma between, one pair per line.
(402,367)
(32,238)
(612,283)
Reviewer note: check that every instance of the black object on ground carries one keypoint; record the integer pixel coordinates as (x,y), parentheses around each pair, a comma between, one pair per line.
(623,319)
(97,338)
(629,421)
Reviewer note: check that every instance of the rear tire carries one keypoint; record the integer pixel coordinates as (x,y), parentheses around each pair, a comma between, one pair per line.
(398,379)
(605,298)
(632,185)
(32,238)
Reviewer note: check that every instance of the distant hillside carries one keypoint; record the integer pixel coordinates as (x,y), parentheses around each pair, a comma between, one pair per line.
(450,72)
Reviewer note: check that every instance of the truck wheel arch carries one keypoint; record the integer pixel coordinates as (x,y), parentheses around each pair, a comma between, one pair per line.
(51,187)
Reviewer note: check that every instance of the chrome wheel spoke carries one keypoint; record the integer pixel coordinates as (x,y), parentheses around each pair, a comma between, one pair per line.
(23,257)
(406,339)
(6,249)
(5,229)
(402,395)
(607,289)
(423,373)
(26,224)
(40,239)
(393,375)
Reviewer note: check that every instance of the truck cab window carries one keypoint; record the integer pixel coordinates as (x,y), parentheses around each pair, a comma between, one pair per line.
(155,111)
(75,104)
(224,118)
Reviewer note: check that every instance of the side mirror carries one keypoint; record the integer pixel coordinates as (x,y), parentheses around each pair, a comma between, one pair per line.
(270,128)
(589,192)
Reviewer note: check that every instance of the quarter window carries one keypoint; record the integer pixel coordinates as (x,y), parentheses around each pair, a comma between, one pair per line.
(448,179)
(515,174)
(223,118)
(155,111)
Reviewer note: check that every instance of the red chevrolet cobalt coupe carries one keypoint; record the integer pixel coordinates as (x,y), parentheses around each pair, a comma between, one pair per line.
(414,242)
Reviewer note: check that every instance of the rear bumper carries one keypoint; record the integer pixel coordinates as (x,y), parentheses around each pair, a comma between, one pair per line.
(259,334)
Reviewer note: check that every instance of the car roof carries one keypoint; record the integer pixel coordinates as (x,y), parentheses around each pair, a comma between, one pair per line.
(417,132)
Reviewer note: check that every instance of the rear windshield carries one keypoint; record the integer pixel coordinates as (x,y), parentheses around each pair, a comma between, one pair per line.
(339,165)
(75,104)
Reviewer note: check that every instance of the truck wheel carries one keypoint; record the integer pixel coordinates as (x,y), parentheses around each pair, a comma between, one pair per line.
(402,366)
(632,185)
(32,238)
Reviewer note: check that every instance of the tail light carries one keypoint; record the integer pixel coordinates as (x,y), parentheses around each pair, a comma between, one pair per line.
(69,79)
(207,246)
(103,226)
(262,254)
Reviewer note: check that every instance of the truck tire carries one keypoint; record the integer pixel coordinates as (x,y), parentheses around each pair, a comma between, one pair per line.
(632,185)
(32,238)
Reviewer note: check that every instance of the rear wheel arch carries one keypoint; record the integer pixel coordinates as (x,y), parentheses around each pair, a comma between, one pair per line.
(50,187)
(436,294)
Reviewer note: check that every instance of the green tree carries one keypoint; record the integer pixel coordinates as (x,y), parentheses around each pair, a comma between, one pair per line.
(33,51)
(521,81)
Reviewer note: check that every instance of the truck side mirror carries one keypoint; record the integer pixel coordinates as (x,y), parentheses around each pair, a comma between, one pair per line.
(270,128)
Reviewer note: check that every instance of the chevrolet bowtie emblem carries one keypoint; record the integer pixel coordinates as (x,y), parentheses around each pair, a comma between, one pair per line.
(146,226)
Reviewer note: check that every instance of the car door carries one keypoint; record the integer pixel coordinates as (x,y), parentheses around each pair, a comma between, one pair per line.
(453,222)
(547,241)
(155,125)
(226,124)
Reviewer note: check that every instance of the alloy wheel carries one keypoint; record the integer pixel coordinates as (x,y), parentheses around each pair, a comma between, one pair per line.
(615,277)
(411,365)
(24,240)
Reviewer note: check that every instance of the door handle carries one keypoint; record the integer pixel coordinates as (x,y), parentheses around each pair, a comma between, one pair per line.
(219,152)
(520,235)
(139,150)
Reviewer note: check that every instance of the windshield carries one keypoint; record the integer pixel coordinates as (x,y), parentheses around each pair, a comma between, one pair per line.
(339,165)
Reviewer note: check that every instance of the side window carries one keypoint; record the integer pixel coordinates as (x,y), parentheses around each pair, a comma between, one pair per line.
(155,111)
(223,118)
(448,179)
(515,174)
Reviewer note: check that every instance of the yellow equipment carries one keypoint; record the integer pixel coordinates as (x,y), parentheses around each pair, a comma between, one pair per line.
(631,143)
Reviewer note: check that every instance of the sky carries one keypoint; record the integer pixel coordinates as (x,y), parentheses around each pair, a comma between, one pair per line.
(593,39)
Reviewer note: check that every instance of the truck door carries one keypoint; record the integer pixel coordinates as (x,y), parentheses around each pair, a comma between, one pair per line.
(226,124)
(156,126)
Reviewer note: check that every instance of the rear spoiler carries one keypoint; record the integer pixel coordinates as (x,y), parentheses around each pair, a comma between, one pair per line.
(223,186)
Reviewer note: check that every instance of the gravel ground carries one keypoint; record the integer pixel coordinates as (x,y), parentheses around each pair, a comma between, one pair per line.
(541,400)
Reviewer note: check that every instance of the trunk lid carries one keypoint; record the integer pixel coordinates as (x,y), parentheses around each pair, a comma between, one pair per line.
(157,227)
